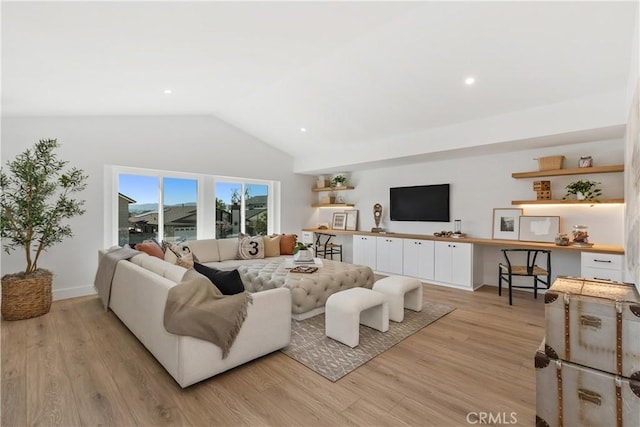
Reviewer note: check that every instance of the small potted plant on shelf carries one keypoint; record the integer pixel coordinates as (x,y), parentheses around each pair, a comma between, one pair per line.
(584,190)
(37,196)
(339,180)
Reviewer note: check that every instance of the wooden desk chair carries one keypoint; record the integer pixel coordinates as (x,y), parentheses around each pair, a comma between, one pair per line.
(511,268)
(325,248)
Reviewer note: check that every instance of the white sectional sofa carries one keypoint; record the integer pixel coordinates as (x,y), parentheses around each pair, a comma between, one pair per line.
(138,297)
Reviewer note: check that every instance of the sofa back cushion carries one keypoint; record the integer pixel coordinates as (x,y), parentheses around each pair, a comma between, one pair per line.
(228,249)
(205,250)
(160,267)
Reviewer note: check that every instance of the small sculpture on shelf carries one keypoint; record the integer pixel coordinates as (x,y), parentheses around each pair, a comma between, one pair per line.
(377,216)
(562,239)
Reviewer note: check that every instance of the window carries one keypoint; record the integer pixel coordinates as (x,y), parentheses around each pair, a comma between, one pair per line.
(240,203)
(180,209)
(138,201)
(177,206)
(256,212)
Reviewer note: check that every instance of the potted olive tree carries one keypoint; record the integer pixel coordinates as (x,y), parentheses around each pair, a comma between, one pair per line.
(37,196)
(584,190)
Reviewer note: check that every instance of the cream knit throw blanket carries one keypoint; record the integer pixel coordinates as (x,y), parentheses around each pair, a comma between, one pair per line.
(198,309)
(106,270)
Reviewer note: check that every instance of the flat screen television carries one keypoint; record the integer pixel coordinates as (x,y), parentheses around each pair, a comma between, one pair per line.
(419,203)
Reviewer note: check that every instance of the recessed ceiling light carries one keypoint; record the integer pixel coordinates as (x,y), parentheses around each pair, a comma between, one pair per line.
(168,91)
(469,81)
(303,129)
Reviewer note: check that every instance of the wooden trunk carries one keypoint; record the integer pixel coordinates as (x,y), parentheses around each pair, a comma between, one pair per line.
(594,323)
(571,395)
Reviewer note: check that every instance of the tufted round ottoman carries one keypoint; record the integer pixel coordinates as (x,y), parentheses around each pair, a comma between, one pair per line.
(346,310)
(401,292)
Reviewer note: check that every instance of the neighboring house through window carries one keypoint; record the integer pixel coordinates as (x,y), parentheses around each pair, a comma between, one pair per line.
(177,206)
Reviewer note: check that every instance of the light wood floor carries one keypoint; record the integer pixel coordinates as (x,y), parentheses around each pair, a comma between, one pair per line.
(78,365)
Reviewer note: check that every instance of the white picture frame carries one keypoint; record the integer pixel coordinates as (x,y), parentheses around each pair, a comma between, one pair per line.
(506,223)
(539,228)
(339,221)
(351,222)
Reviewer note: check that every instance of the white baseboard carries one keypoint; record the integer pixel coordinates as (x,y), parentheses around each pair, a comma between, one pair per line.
(66,293)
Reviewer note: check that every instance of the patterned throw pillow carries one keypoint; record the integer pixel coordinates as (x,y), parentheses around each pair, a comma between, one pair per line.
(178,254)
(250,247)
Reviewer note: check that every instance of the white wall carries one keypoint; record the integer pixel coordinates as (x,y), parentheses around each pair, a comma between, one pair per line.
(481,183)
(185,144)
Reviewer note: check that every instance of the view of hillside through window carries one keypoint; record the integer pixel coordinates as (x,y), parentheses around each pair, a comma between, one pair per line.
(140,210)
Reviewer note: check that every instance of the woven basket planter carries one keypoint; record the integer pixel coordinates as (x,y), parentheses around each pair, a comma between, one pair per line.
(24,297)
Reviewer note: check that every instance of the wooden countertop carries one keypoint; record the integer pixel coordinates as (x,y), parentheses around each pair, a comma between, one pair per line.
(606,249)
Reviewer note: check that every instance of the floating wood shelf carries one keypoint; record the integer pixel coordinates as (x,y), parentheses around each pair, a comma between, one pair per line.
(316,190)
(566,202)
(332,205)
(573,171)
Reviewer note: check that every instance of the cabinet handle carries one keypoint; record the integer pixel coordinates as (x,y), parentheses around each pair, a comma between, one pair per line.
(600,278)
(602,260)
(589,396)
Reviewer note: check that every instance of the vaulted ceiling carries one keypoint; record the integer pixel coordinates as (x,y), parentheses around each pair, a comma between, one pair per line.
(368,81)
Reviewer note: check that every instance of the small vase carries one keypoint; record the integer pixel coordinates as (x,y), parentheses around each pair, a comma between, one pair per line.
(580,195)
(303,255)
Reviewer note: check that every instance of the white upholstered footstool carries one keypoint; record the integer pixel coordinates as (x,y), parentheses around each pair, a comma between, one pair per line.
(346,310)
(401,292)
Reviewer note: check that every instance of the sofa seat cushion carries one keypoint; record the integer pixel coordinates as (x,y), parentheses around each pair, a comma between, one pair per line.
(235,263)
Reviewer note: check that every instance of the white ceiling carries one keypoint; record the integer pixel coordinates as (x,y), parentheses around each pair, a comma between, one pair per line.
(352,73)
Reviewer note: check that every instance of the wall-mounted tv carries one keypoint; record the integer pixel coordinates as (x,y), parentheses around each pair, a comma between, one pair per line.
(419,203)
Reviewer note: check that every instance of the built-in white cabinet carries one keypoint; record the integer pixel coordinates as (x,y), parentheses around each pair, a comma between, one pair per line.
(389,255)
(600,266)
(454,263)
(417,258)
(364,250)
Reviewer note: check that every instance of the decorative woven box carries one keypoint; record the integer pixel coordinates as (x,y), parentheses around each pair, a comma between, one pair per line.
(543,195)
(577,396)
(594,323)
(550,162)
(541,185)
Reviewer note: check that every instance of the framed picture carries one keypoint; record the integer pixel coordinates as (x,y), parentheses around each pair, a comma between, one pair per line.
(539,228)
(339,220)
(506,223)
(351,223)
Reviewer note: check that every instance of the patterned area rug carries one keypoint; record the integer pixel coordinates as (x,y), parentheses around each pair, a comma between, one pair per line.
(333,360)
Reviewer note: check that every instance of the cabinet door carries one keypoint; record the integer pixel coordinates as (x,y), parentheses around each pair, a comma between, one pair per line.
(442,258)
(418,258)
(461,263)
(389,255)
(364,250)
